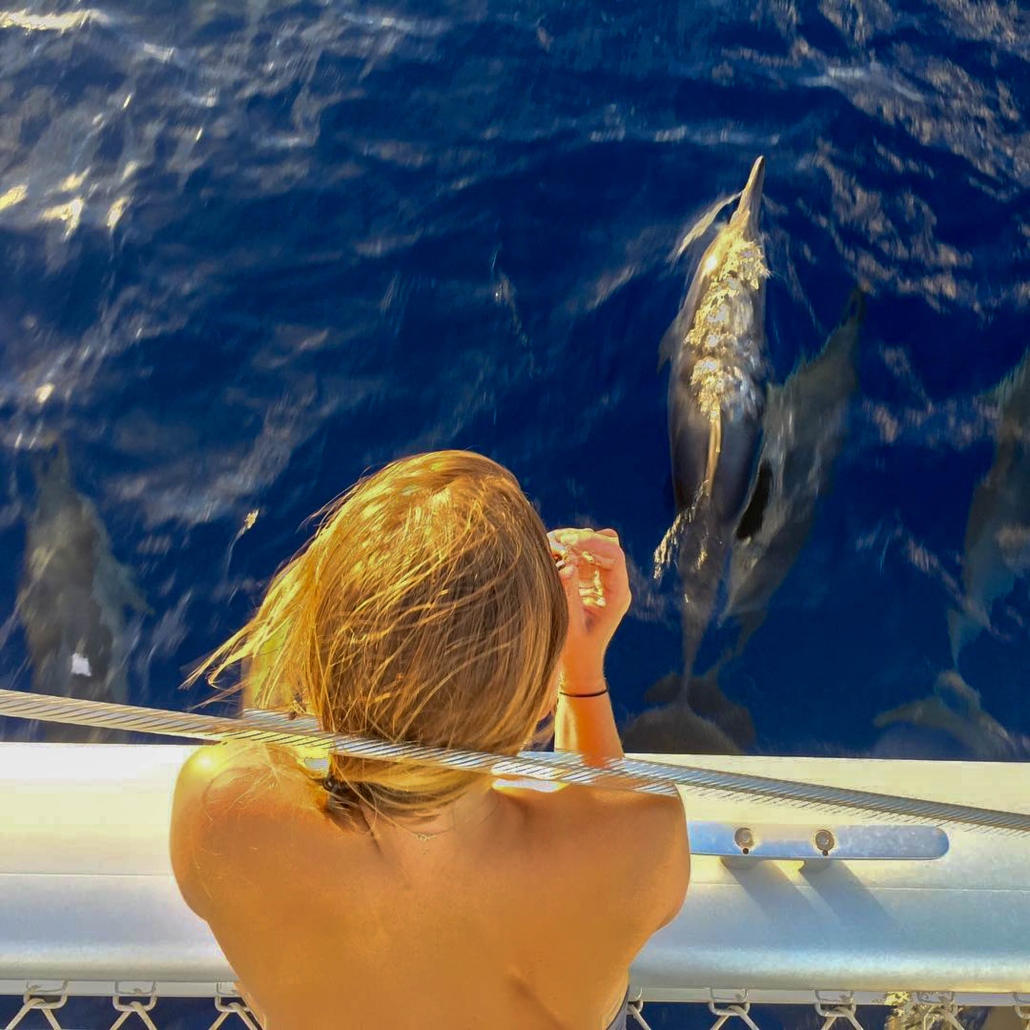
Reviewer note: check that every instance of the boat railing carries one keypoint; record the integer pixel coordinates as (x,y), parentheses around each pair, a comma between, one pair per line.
(840,911)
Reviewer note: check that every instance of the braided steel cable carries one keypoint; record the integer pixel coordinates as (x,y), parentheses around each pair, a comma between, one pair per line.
(558,766)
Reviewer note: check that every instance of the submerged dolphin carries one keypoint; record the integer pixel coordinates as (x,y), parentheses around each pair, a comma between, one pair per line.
(954,709)
(716,404)
(720,718)
(71,599)
(716,346)
(997,547)
(804,431)
(675,729)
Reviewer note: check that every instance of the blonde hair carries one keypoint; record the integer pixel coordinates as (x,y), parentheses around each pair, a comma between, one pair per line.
(427,608)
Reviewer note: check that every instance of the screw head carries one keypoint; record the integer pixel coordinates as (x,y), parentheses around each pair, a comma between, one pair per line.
(824,841)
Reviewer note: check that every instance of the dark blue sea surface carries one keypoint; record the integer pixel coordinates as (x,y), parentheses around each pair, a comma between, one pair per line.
(250,251)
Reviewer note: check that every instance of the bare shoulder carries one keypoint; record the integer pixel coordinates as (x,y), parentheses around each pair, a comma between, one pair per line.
(617,841)
(226,796)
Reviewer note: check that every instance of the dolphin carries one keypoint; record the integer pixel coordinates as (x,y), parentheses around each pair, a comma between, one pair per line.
(707,700)
(718,370)
(997,545)
(719,365)
(803,433)
(71,599)
(954,709)
(675,729)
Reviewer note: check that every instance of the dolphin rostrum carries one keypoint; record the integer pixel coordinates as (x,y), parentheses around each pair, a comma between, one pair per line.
(997,547)
(803,433)
(71,598)
(716,347)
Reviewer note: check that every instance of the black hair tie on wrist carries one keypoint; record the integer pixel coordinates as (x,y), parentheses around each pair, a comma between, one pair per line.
(598,694)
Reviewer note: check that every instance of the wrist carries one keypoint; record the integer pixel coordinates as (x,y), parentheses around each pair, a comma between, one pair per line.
(582,682)
(585,697)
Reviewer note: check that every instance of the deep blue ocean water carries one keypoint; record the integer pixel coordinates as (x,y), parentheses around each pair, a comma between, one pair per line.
(249,251)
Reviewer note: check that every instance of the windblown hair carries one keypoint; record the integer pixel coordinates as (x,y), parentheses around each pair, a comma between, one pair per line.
(426,609)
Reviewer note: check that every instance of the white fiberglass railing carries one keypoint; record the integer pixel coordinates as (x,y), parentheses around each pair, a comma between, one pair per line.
(786,905)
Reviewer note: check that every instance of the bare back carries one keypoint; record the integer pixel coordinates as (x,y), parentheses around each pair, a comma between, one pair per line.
(529,922)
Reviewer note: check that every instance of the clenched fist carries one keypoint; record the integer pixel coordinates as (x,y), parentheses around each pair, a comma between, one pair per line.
(592,567)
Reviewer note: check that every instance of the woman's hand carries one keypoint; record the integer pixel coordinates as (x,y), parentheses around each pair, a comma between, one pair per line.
(592,568)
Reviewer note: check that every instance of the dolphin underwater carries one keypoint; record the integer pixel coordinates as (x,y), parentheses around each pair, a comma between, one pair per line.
(954,709)
(716,347)
(803,433)
(71,599)
(997,545)
(718,369)
(676,729)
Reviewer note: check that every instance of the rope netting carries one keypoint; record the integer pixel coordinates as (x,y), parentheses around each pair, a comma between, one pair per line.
(907,1011)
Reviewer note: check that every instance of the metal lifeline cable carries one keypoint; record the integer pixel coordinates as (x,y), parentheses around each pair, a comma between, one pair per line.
(559,766)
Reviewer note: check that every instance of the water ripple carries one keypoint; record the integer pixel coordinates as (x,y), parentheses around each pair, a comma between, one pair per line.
(249,250)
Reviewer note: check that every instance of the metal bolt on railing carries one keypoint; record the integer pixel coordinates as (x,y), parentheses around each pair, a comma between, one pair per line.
(744,839)
(825,841)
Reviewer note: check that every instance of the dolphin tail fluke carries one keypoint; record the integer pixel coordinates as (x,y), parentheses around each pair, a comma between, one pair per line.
(709,701)
(664,690)
(957,694)
(923,712)
(675,729)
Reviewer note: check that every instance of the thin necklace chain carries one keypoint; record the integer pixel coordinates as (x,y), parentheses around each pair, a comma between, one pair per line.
(439,833)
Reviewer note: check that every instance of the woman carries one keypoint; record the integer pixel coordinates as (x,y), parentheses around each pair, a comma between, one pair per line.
(431,606)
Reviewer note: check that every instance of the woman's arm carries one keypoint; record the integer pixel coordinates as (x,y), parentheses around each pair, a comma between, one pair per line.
(592,567)
(638,839)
